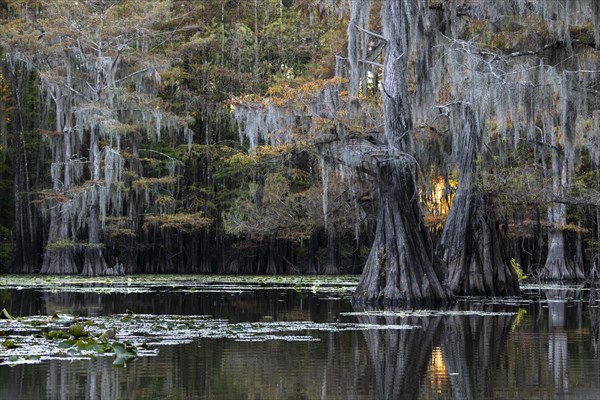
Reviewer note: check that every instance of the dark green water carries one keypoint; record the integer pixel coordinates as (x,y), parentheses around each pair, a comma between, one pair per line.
(543,346)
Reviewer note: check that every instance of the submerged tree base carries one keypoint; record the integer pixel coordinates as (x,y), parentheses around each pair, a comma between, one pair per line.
(477,265)
(401,269)
(559,267)
(59,261)
(95,264)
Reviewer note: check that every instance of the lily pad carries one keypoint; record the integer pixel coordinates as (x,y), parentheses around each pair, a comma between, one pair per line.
(77,331)
(10,344)
(123,354)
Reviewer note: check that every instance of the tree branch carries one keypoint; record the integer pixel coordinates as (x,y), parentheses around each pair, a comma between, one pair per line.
(377,35)
(371,63)
(140,71)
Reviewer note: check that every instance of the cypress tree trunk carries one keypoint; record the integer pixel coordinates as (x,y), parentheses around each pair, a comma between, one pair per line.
(580,259)
(58,256)
(26,246)
(477,264)
(402,267)
(206,250)
(559,265)
(94,263)
(333,252)
(59,252)
(313,248)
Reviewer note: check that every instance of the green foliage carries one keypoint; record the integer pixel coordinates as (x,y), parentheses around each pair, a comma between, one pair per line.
(123,353)
(71,245)
(77,331)
(181,222)
(518,319)
(56,335)
(517,268)
(10,344)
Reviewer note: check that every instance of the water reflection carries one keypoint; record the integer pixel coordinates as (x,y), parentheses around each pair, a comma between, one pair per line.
(549,351)
(401,356)
(458,354)
(472,347)
(594,310)
(558,352)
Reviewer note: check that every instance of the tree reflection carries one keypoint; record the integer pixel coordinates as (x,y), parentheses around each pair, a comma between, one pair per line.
(472,346)
(461,353)
(558,352)
(594,310)
(401,356)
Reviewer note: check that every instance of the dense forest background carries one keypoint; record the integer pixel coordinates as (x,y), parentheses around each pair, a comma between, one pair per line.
(271,136)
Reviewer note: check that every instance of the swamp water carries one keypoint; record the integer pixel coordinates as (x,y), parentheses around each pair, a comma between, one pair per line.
(200,337)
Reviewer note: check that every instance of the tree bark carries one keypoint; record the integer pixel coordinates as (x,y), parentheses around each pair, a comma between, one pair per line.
(313,248)
(26,244)
(559,266)
(94,263)
(332,266)
(59,257)
(470,244)
(401,268)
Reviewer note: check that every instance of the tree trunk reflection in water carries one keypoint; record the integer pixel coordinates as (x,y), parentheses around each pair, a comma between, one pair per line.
(102,381)
(471,347)
(558,353)
(595,319)
(401,356)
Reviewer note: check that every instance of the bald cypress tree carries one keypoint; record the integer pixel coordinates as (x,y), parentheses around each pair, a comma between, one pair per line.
(402,267)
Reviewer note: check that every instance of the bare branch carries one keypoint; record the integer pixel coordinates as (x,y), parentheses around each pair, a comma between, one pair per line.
(371,63)
(377,35)
(140,71)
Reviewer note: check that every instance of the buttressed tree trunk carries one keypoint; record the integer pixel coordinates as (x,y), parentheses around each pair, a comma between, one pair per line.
(59,257)
(94,263)
(559,265)
(477,263)
(402,267)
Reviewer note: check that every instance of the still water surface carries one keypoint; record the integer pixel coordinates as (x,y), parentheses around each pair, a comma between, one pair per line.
(541,346)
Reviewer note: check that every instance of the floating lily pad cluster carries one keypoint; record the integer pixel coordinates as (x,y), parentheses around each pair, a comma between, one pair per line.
(30,340)
(125,336)
(33,339)
(426,313)
(183,283)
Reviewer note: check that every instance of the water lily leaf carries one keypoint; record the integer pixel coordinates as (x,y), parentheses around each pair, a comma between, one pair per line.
(51,335)
(106,336)
(63,316)
(10,344)
(77,331)
(123,354)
